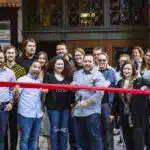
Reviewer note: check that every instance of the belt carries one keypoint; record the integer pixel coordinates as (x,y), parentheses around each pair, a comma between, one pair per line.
(4,103)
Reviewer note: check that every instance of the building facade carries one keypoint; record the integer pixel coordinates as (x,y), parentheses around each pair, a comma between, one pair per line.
(9,22)
(114,25)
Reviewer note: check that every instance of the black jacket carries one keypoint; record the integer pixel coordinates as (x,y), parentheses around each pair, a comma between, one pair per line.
(138,105)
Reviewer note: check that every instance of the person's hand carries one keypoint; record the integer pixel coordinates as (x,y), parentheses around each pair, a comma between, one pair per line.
(16,92)
(8,107)
(43,115)
(111,117)
(107,83)
(144,88)
(44,90)
(82,103)
(73,83)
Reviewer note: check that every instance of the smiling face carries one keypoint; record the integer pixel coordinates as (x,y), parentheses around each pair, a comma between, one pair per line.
(136,54)
(147,58)
(78,57)
(42,59)
(59,66)
(10,55)
(103,61)
(88,62)
(35,69)
(61,50)
(127,71)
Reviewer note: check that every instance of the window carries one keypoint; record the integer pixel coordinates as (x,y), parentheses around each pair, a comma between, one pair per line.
(43,13)
(85,13)
(50,13)
(126,12)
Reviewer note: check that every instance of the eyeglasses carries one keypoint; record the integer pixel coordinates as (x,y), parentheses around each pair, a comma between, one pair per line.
(102,60)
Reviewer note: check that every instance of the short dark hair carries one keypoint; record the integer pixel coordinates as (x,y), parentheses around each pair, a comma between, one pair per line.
(61,43)
(67,68)
(105,54)
(97,49)
(134,70)
(35,61)
(46,57)
(10,47)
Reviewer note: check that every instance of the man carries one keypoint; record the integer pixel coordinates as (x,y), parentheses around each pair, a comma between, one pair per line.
(96,53)
(10,55)
(29,109)
(6,98)
(61,50)
(28,54)
(87,110)
(107,125)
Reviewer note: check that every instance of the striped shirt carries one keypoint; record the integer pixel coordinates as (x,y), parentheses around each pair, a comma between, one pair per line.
(6,93)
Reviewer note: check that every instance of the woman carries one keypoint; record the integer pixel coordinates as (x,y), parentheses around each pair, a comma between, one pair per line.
(145,61)
(145,83)
(43,59)
(122,59)
(78,58)
(131,109)
(58,102)
(137,55)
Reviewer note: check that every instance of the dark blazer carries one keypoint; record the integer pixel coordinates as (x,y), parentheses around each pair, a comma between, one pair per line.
(138,105)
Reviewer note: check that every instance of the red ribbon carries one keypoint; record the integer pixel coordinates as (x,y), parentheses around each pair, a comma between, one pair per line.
(71,87)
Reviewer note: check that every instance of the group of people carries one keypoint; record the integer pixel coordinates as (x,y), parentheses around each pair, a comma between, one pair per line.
(83,118)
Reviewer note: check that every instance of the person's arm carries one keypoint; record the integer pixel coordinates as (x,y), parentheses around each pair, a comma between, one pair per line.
(111,78)
(46,79)
(98,95)
(11,94)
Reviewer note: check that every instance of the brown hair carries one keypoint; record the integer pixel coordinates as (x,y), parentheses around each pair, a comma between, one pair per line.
(105,54)
(125,55)
(143,67)
(97,48)
(140,50)
(45,67)
(10,47)
(61,43)
(26,42)
(81,50)
(67,68)
(134,71)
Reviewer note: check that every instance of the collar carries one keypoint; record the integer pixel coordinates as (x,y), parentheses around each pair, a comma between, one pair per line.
(25,57)
(12,66)
(30,76)
(88,71)
(3,69)
(106,68)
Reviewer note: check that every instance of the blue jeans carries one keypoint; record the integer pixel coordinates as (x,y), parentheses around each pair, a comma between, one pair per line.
(88,129)
(29,132)
(59,128)
(107,127)
(73,141)
(3,125)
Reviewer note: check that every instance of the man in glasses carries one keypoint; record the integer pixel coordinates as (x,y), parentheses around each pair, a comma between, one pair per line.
(107,124)
(96,53)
